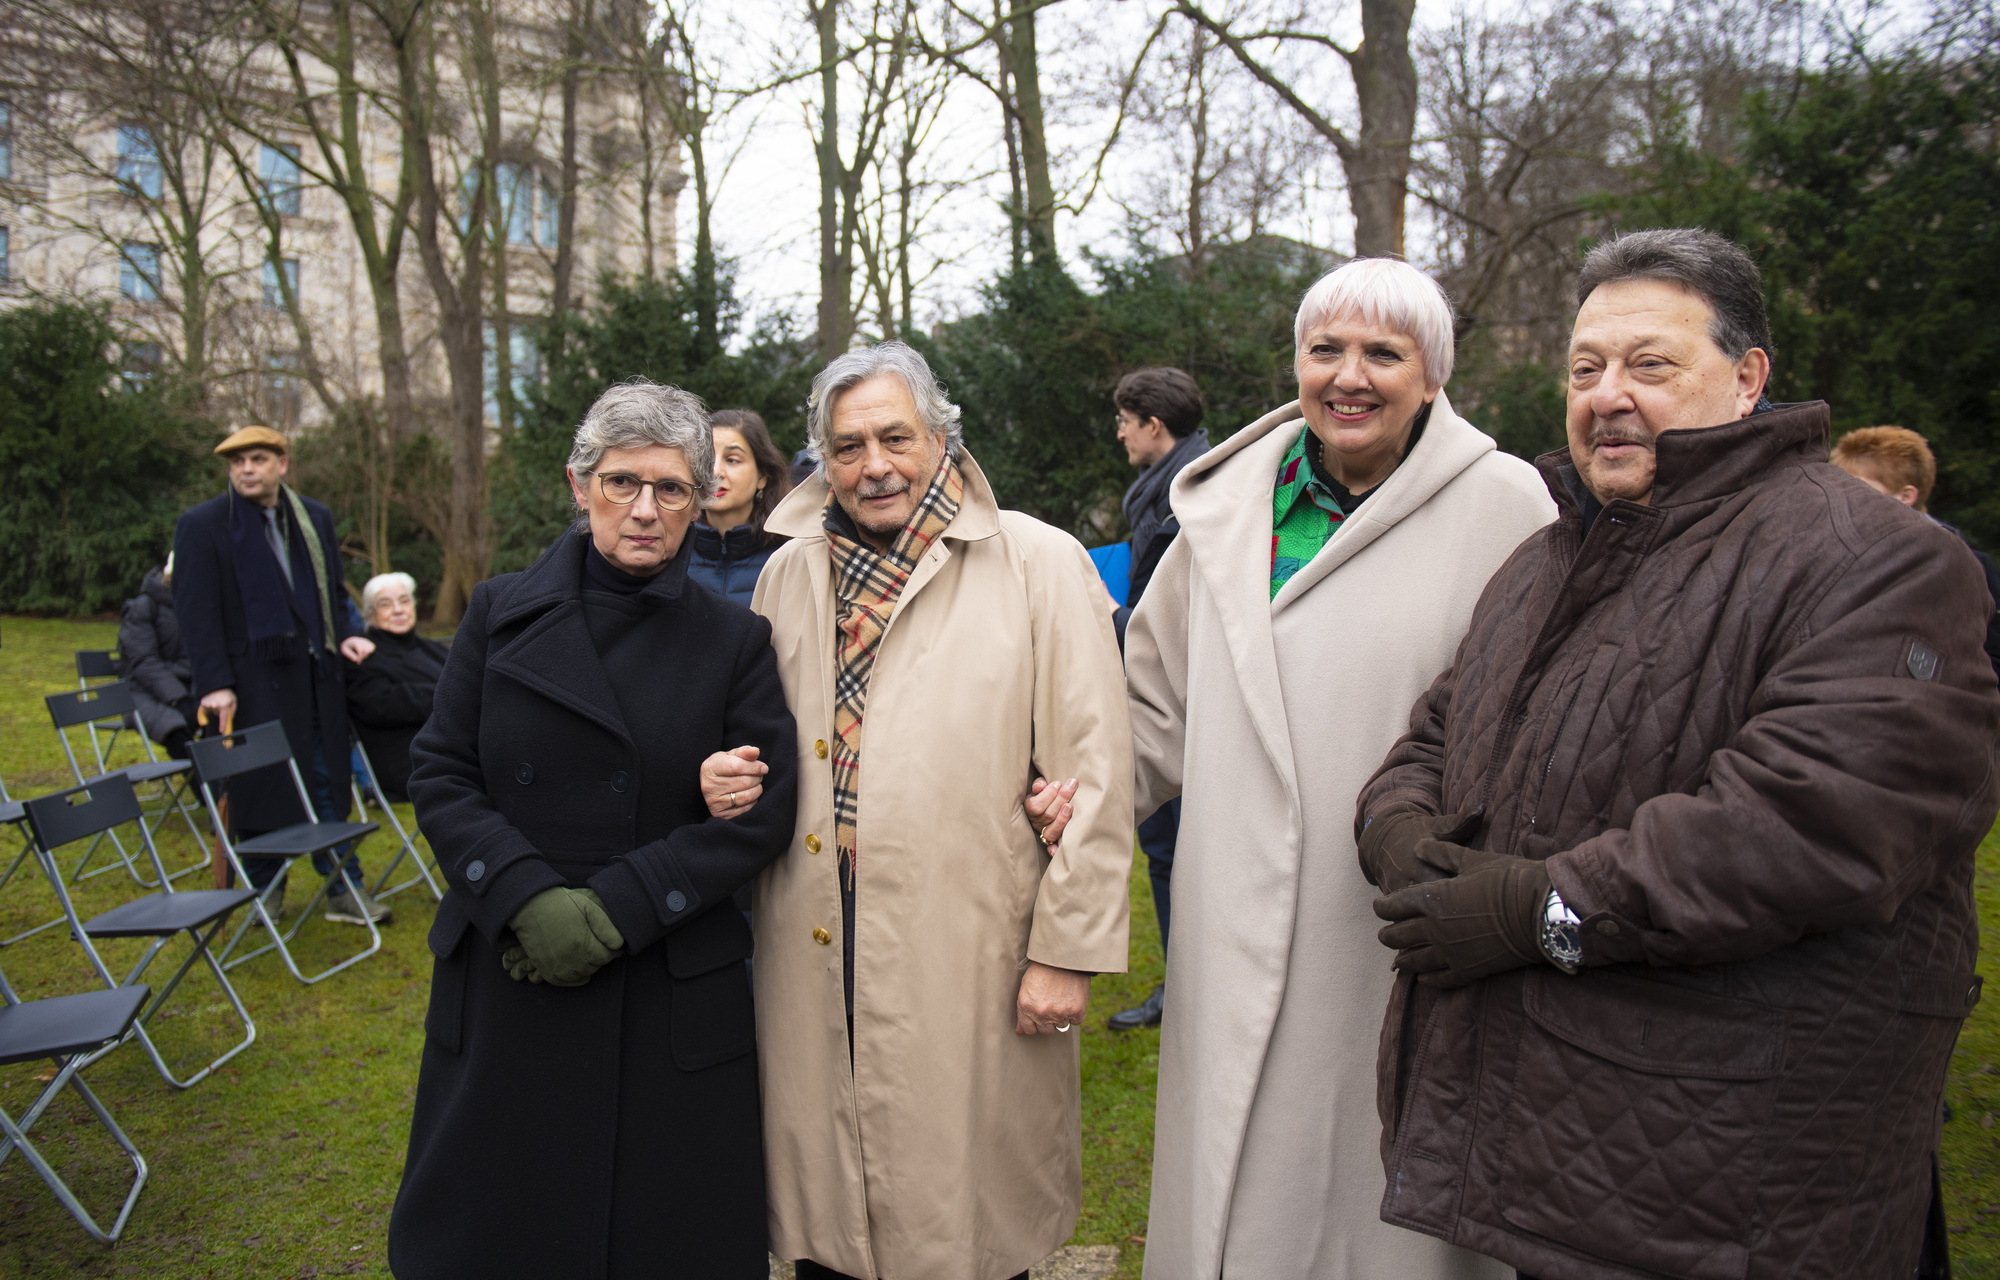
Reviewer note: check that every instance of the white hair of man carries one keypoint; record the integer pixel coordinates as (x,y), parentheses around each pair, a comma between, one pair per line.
(845,372)
(638,413)
(1393,295)
(375,586)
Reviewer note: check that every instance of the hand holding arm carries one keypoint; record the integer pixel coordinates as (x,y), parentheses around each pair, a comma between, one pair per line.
(1049,809)
(731,781)
(357,648)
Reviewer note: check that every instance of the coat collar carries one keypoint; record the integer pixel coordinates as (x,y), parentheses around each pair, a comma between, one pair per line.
(1223,500)
(555,655)
(1704,464)
(798,516)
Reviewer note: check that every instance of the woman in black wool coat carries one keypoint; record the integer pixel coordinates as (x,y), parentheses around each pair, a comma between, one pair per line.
(588,1103)
(389,692)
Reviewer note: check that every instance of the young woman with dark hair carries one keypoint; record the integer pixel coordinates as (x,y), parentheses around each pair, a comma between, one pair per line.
(730,545)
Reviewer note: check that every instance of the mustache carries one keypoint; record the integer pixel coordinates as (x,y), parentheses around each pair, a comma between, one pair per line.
(1611,431)
(882,488)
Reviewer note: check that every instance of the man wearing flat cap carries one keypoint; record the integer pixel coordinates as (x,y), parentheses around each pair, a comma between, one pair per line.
(262,606)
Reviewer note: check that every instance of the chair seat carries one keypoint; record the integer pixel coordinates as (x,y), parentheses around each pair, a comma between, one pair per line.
(158,914)
(11,811)
(305,838)
(153,770)
(67,1024)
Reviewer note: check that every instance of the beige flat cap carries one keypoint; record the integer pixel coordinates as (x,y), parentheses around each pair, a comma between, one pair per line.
(252,438)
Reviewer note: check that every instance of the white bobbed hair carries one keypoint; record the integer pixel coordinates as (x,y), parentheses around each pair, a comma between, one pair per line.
(377,585)
(1392,294)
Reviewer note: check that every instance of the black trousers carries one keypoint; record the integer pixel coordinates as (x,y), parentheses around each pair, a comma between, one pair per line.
(810,1270)
(1157,837)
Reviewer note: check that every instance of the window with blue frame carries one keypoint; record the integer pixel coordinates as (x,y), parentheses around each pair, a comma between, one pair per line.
(281,177)
(274,295)
(139,271)
(138,161)
(6,140)
(528,203)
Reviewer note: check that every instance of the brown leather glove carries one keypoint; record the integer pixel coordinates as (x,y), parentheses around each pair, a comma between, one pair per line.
(1393,844)
(1485,919)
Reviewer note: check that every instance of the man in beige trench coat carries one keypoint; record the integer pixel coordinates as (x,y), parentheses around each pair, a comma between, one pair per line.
(918,1012)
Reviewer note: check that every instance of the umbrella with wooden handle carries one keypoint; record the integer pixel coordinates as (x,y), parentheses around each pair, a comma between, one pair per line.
(218,861)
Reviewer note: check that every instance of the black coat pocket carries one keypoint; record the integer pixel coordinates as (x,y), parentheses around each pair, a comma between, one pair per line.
(1635,1125)
(445,1021)
(711,1020)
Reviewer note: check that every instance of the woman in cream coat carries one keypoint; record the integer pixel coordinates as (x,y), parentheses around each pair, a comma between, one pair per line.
(1328,563)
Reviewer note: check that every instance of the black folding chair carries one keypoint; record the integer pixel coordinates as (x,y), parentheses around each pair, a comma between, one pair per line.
(408,850)
(102,665)
(67,1029)
(12,814)
(89,707)
(108,802)
(259,747)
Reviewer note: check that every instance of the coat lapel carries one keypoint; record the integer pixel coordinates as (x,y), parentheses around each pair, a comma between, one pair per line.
(798,516)
(1450,445)
(1225,513)
(554,655)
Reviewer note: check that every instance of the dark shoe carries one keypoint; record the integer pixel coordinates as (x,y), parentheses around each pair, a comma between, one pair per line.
(1145,1014)
(343,907)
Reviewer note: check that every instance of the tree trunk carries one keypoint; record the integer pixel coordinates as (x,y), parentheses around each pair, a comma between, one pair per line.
(1385,86)
(836,313)
(565,265)
(1024,68)
(707,291)
(459,302)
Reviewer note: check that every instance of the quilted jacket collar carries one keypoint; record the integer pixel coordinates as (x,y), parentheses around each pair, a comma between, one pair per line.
(1714,462)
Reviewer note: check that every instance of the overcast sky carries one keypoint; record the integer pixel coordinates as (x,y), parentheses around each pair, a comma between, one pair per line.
(767,210)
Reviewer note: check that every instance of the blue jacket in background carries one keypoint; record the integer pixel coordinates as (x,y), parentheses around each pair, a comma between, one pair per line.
(728,563)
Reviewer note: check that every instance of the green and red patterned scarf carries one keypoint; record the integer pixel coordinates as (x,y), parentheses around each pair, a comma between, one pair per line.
(1304,514)
(866,585)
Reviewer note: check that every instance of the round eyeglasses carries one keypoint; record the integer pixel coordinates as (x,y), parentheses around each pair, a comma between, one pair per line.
(624,489)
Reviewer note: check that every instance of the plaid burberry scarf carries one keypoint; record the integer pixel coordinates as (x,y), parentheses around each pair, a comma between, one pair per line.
(866,586)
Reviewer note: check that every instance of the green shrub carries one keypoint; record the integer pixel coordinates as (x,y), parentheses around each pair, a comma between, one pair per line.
(95,470)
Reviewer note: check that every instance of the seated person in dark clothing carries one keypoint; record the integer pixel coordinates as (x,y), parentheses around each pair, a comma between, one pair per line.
(155,662)
(730,544)
(389,691)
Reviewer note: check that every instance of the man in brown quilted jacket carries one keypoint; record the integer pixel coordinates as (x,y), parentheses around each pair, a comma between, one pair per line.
(1677,857)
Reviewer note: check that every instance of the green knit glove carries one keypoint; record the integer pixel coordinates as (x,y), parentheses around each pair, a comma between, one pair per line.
(565,936)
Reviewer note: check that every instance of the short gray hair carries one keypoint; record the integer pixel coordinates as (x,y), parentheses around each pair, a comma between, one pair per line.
(845,372)
(1392,294)
(377,585)
(1712,267)
(637,413)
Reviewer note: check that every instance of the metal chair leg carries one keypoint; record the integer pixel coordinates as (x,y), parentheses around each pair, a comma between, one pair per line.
(13,1136)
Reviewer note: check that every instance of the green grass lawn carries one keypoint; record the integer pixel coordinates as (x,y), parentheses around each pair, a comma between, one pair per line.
(286,1163)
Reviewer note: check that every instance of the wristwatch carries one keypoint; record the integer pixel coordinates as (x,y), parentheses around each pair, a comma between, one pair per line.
(1562,934)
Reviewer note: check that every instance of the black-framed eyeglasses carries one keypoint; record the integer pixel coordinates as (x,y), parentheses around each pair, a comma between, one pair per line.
(624,488)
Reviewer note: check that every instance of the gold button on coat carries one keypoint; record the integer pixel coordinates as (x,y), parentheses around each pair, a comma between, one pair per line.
(819,748)
(822,937)
(812,844)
